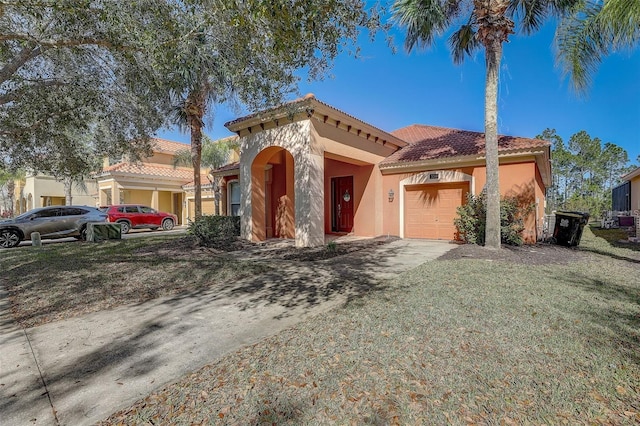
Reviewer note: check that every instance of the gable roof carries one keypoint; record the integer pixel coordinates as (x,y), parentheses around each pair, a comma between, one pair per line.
(440,143)
(309,107)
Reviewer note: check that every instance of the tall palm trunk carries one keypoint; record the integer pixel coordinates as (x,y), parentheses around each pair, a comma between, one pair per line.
(68,184)
(195,109)
(492,232)
(493,29)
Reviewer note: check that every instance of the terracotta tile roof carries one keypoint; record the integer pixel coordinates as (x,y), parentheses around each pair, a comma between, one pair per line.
(204,184)
(433,143)
(164,145)
(227,167)
(270,109)
(149,170)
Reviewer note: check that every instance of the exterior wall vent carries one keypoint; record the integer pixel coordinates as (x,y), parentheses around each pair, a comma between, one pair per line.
(434,176)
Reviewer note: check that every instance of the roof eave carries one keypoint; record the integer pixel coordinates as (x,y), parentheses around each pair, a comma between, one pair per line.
(633,174)
(469,160)
(310,107)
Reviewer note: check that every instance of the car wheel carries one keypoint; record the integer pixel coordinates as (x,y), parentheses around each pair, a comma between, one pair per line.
(167,224)
(124,227)
(83,233)
(9,238)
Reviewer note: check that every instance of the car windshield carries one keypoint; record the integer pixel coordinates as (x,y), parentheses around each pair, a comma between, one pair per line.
(24,215)
(103,208)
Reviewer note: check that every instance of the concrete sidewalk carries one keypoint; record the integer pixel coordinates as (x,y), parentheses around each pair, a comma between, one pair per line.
(81,370)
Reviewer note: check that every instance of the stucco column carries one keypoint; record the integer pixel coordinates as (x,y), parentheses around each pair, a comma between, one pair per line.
(309,201)
(246,222)
(154,200)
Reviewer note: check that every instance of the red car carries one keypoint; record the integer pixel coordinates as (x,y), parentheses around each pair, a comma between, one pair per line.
(135,216)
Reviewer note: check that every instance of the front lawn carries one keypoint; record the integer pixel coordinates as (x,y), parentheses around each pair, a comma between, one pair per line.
(459,341)
(58,281)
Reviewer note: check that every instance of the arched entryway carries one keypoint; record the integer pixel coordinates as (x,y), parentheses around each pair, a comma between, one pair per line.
(273,194)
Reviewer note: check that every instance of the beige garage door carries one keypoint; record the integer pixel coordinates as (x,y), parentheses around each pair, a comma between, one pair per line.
(430,210)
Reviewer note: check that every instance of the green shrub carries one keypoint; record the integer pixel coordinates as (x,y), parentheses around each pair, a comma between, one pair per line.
(213,230)
(471,222)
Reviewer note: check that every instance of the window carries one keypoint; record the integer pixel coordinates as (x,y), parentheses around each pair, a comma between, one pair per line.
(234,198)
(145,209)
(46,213)
(131,209)
(71,211)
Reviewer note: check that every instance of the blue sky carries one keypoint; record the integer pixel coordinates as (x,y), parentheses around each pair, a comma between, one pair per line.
(391,91)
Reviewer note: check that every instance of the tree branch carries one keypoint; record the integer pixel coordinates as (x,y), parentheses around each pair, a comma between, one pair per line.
(25,55)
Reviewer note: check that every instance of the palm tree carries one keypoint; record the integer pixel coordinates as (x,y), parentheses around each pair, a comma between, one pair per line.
(190,116)
(214,154)
(479,24)
(591,32)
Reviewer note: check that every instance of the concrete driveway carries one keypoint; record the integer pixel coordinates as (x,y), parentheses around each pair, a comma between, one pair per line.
(81,370)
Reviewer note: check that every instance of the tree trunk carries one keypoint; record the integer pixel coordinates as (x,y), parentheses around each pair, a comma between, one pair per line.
(11,189)
(494,28)
(492,232)
(215,186)
(68,199)
(194,108)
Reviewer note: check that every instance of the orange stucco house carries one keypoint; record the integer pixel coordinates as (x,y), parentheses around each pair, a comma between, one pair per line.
(307,169)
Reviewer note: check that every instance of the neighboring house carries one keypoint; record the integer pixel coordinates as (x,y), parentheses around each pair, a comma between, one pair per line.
(154,182)
(633,190)
(209,186)
(308,169)
(37,190)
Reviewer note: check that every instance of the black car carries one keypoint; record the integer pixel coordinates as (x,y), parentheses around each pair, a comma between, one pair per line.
(50,222)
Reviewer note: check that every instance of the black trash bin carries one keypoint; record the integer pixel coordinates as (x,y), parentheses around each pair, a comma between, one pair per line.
(569,226)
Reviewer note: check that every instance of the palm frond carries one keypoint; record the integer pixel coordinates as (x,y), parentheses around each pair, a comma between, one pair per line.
(580,45)
(182,158)
(463,42)
(621,18)
(423,20)
(530,13)
(591,32)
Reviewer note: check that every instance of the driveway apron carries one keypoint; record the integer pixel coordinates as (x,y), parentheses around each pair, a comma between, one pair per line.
(81,370)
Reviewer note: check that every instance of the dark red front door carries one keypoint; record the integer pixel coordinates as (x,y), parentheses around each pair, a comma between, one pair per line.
(343,203)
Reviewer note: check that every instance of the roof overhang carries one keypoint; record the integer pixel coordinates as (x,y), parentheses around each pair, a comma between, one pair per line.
(633,174)
(310,108)
(541,156)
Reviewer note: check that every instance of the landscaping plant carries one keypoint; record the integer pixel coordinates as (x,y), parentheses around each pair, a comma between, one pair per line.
(212,230)
(471,222)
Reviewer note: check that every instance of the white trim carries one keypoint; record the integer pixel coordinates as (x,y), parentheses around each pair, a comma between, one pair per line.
(444,176)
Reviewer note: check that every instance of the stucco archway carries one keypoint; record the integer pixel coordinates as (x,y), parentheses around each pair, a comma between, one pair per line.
(273,195)
(303,162)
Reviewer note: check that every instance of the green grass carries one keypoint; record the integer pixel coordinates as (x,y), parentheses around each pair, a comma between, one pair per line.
(451,342)
(59,281)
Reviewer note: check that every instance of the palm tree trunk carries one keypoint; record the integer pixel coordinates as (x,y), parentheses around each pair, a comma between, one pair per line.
(194,108)
(493,57)
(68,199)
(494,28)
